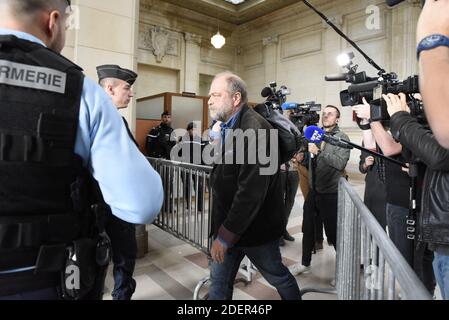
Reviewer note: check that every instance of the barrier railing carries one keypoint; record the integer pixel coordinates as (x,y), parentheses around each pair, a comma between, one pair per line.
(186,211)
(361,241)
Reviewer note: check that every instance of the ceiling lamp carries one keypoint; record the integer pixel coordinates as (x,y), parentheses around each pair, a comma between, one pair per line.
(218,41)
(236,1)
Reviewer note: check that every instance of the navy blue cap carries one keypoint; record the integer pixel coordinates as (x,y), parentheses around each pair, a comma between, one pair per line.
(116,72)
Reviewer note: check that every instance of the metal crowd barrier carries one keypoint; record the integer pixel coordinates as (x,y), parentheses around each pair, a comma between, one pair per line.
(361,241)
(186,210)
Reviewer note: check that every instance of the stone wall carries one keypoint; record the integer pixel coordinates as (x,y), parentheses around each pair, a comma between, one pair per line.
(105,33)
(170,47)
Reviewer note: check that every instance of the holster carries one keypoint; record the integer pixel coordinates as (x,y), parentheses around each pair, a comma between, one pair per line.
(85,269)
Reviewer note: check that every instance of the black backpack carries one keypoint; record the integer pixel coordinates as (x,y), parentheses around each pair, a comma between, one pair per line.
(290,138)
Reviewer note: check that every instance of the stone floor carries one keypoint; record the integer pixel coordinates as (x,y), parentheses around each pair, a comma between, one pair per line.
(172,268)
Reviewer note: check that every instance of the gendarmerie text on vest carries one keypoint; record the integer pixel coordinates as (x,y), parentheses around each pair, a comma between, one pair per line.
(34,77)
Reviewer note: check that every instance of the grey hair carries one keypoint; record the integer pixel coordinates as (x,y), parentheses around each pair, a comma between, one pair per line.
(235,84)
(30,7)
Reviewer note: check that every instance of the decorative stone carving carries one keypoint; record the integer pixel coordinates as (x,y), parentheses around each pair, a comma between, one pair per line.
(270,40)
(158,40)
(192,38)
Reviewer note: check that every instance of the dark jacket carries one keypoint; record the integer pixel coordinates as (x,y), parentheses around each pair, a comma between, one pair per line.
(330,164)
(248,209)
(375,197)
(433,220)
(158,144)
(44,189)
(129,132)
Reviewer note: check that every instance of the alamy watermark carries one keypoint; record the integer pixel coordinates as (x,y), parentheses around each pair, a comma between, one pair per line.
(250,146)
(72,277)
(373,20)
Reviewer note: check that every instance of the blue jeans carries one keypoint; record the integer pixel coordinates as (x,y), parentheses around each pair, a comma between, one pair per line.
(441,269)
(266,258)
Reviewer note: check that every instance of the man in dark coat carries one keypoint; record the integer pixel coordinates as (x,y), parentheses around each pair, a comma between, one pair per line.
(248,215)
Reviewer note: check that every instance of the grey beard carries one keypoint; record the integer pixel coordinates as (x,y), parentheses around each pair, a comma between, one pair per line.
(222,116)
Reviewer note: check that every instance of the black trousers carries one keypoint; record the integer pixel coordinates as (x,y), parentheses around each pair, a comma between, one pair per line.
(325,207)
(189,182)
(124,254)
(290,181)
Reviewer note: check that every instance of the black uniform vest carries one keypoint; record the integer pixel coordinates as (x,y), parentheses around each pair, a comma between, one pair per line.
(40,200)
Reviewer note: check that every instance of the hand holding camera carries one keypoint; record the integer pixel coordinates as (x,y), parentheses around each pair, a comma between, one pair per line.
(363,111)
(396,103)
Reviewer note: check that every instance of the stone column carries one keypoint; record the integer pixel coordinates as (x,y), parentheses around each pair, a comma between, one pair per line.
(192,60)
(403,33)
(270,58)
(88,46)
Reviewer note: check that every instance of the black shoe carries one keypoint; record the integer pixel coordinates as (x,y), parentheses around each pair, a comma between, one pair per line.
(318,245)
(281,242)
(288,237)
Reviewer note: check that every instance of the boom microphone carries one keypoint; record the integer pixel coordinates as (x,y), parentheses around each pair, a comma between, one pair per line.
(315,134)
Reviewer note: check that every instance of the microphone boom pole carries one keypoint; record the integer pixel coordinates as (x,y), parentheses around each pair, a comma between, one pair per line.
(373,153)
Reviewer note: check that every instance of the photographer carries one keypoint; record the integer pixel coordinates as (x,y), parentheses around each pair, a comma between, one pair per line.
(374,169)
(433,221)
(434,66)
(398,200)
(397,182)
(326,167)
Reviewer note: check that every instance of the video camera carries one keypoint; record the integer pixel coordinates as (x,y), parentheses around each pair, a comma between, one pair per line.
(372,89)
(303,114)
(275,98)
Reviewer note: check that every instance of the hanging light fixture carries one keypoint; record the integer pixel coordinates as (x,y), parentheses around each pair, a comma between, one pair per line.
(218,41)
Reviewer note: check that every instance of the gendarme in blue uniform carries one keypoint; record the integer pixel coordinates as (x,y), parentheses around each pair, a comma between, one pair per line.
(130,186)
